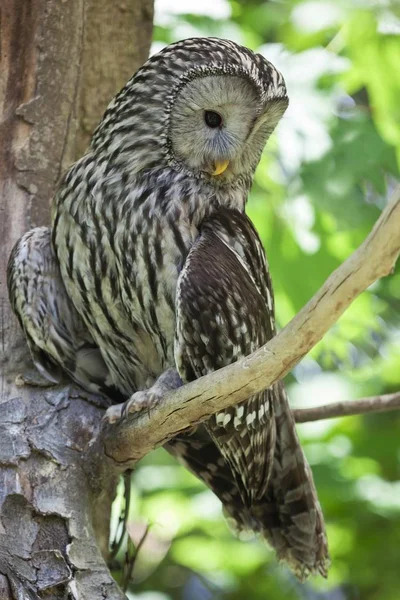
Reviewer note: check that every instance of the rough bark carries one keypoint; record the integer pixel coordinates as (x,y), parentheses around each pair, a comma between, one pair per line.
(61,62)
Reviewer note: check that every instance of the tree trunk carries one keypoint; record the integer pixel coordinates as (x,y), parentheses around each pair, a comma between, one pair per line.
(61,62)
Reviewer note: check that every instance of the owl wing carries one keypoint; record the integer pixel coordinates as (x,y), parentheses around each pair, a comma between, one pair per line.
(222,316)
(199,454)
(56,335)
(224,312)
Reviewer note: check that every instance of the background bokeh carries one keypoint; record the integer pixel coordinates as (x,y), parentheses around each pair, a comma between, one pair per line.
(322,182)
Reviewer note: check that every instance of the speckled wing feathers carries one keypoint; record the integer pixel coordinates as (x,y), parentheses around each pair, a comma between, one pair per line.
(225,311)
(199,454)
(57,337)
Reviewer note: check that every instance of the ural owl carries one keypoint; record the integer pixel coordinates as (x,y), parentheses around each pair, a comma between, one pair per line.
(153,275)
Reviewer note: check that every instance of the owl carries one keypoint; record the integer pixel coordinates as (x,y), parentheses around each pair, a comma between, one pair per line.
(152,275)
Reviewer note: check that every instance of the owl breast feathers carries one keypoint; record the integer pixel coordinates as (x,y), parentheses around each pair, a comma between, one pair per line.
(153,275)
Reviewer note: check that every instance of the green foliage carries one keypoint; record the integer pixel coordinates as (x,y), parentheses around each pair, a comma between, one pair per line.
(321,184)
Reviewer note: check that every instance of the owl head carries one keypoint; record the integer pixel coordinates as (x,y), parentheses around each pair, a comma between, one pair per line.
(202,106)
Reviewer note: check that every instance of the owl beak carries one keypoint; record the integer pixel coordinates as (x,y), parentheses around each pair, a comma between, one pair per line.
(220,167)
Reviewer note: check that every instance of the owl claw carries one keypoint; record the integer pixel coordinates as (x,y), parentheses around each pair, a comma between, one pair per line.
(33,379)
(143,400)
(146,399)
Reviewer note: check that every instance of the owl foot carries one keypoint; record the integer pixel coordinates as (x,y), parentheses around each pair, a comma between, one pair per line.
(33,379)
(145,399)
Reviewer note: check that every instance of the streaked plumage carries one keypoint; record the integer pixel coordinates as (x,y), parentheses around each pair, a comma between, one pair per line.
(56,334)
(156,268)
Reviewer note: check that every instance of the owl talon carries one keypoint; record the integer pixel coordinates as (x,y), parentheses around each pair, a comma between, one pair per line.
(144,400)
(33,379)
(113,413)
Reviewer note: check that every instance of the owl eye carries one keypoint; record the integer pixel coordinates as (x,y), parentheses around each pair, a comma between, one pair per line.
(212,119)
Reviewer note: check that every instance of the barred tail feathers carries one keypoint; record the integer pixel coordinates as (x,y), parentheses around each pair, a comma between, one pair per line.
(289,516)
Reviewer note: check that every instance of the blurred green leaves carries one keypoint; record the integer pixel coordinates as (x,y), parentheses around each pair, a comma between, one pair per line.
(372,43)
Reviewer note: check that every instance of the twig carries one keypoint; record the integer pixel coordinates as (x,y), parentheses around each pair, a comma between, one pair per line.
(373,404)
(128,441)
(131,556)
(123,518)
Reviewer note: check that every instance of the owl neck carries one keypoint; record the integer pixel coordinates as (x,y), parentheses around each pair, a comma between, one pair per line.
(197,197)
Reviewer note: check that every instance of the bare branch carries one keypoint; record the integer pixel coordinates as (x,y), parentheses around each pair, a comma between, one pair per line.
(373,404)
(127,441)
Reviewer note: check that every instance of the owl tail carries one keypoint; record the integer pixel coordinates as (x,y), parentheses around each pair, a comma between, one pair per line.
(289,515)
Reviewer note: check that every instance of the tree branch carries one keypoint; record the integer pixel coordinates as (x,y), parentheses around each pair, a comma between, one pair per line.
(127,441)
(373,404)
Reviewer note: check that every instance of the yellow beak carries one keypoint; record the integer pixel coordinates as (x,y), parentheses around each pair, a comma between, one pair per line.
(220,167)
